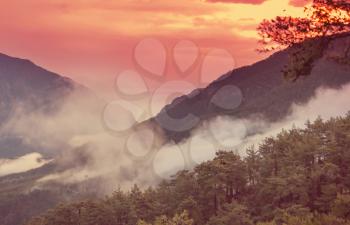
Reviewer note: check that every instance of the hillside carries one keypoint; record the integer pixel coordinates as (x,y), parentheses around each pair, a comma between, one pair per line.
(300,177)
(29,93)
(263,88)
(22,82)
(26,88)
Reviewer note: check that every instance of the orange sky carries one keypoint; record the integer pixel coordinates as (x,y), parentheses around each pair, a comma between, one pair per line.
(93,40)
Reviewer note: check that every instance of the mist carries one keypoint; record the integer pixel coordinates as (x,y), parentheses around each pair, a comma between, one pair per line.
(227,133)
(84,147)
(22,164)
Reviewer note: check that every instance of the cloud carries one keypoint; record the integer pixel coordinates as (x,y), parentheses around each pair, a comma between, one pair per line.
(22,164)
(93,40)
(81,147)
(299,3)
(253,2)
(234,134)
(88,151)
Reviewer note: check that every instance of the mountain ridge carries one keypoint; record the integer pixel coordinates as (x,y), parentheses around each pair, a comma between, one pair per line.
(26,88)
(264,90)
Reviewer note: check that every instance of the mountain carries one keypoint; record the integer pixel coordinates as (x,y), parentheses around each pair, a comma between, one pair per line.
(28,88)
(22,82)
(261,88)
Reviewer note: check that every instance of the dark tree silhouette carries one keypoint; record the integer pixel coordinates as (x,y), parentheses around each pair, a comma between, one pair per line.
(308,35)
(323,18)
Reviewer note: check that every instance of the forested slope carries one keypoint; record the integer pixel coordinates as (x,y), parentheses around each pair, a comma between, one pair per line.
(301,176)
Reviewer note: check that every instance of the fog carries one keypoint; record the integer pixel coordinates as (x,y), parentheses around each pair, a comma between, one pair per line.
(85,146)
(228,133)
(22,164)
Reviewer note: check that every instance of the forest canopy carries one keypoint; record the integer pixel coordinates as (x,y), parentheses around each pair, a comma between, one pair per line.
(300,177)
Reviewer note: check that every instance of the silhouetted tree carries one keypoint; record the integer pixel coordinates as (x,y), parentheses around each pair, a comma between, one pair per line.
(307,35)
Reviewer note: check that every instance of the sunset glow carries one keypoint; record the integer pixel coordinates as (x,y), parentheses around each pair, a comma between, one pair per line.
(166,112)
(94,39)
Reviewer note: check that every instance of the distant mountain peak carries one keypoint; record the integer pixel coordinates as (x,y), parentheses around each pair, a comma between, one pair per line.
(31,88)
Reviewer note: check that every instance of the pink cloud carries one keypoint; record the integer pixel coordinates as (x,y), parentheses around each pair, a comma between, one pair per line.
(299,3)
(92,43)
(254,2)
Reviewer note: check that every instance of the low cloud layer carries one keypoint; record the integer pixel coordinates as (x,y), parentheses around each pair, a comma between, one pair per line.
(233,134)
(86,150)
(22,164)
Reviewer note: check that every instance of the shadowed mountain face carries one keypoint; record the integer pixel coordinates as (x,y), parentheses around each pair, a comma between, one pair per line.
(22,82)
(28,88)
(261,89)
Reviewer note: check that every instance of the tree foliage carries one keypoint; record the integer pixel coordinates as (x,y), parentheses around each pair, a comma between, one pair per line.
(308,36)
(323,18)
(299,177)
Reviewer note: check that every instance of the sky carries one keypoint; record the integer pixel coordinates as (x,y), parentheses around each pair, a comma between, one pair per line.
(93,41)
